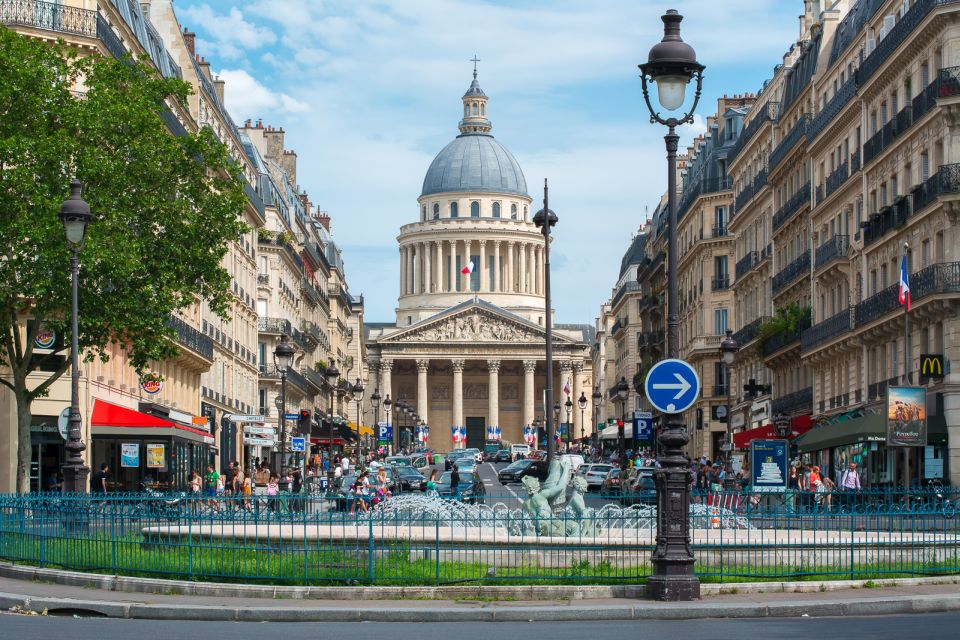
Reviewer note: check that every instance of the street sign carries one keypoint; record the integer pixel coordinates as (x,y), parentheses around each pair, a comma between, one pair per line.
(291,416)
(385,432)
(672,386)
(63,423)
(238,417)
(258,442)
(642,426)
(298,445)
(259,430)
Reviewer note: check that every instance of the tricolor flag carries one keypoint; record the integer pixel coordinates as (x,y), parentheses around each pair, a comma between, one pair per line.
(566,387)
(904,284)
(467,269)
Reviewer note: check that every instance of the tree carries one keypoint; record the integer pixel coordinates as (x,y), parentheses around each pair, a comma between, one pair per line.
(166,208)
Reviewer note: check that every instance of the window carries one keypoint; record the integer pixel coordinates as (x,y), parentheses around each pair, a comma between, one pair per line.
(423,213)
(483,110)
(925,253)
(453,210)
(474,209)
(466,110)
(513,211)
(474,108)
(475,275)
(436,211)
(496,209)
(525,217)
(720,321)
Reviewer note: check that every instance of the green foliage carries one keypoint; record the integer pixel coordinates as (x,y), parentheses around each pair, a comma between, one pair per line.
(787,319)
(165,207)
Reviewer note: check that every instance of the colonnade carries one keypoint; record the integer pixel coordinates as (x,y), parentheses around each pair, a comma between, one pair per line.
(430,266)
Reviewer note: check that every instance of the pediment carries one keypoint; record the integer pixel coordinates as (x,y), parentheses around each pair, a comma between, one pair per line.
(473,324)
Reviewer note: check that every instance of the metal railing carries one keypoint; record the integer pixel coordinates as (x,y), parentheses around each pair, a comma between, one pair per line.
(719,231)
(832,249)
(786,338)
(791,272)
(836,178)
(749,332)
(631,286)
(789,141)
(254,199)
(766,113)
(720,391)
(720,283)
(822,332)
(191,338)
(759,181)
(263,278)
(869,533)
(746,263)
(795,402)
(938,278)
(271,372)
(50,16)
(832,109)
(274,325)
(314,377)
(945,180)
(793,204)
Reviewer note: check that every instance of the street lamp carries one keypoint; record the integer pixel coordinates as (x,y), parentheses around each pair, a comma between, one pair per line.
(375,401)
(333,374)
(671,64)
(556,423)
(75,216)
(387,404)
(283,358)
(622,390)
(357,392)
(597,399)
(728,351)
(544,219)
(582,403)
(568,405)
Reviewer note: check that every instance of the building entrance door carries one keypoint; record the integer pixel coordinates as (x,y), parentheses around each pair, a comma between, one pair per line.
(476,432)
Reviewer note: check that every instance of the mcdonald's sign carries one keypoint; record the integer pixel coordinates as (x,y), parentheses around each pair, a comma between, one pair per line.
(931,367)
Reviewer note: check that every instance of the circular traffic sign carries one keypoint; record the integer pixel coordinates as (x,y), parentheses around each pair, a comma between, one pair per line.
(672,386)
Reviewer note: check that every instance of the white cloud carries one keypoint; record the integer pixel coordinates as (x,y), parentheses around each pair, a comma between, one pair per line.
(229,34)
(246,97)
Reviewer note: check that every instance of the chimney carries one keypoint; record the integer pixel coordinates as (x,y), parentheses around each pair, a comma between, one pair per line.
(324,219)
(289,164)
(204,67)
(190,39)
(274,141)
(218,85)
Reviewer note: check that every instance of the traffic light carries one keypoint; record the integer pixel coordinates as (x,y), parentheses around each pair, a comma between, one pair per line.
(303,422)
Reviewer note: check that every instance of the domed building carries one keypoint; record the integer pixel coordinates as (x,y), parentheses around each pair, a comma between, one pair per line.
(467,349)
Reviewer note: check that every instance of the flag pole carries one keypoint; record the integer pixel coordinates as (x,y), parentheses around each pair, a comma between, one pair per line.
(907,378)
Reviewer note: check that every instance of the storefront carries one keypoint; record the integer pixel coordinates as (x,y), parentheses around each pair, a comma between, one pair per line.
(147,450)
(47,453)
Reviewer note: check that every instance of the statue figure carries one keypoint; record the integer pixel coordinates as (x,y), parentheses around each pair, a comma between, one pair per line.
(545,501)
(584,525)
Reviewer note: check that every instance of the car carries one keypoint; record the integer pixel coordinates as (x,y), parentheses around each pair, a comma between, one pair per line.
(516,471)
(575,460)
(538,454)
(465,463)
(503,455)
(409,478)
(641,490)
(471,486)
(611,483)
(454,456)
(397,461)
(594,474)
(476,453)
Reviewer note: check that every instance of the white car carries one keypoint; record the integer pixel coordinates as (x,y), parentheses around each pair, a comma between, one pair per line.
(595,473)
(477,454)
(574,460)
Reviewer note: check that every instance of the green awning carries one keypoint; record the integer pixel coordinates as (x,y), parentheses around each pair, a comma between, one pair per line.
(870,428)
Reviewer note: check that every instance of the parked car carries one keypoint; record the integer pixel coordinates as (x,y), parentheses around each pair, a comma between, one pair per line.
(476,453)
(515,471)
(503,455)
(466,463)
(398,461)
(409,478)
(471,486)
(575,460)
(594,474)
(641,490)
(611,483)
(455,456)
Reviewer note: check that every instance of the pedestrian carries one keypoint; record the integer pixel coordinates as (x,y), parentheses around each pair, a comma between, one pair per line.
(212,480)
(273,491)
(296,487)
(455,482)
(99,481)
(850,486)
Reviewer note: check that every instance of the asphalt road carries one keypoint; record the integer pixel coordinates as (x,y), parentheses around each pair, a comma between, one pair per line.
(915,627)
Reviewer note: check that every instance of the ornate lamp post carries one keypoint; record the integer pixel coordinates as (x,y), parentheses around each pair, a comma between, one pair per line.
(357,392)
(622,390)
(728,351)
(545,219)
(387,404)
(283,358)
(672,64)
(375,402)
(556,424)
(568,405)
(597,399)
(582,403)
(75,216)
(333,374)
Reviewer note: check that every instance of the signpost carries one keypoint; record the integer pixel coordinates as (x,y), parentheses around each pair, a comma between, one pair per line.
(642,426)
(672,386)
(768,465)
(298,445)
(384,432)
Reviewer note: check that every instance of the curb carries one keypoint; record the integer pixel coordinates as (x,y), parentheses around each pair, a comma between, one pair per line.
(126,584)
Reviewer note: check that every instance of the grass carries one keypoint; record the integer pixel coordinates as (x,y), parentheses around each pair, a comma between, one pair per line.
(397,564)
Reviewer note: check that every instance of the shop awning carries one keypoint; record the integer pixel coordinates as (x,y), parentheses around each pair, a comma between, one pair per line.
(364,430)
(799,426)
(114,419)
(867,428)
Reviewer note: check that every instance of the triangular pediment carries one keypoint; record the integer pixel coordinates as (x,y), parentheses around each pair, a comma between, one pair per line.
(474,322)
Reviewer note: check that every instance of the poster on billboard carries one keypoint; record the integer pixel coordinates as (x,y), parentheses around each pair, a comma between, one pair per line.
(906,417)
(768,465)
(156,456)
(130,455)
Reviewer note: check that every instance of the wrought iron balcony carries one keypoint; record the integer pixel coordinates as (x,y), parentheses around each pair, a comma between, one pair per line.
(312,332)
(719,391)
(254,198)
(783,149)
(792,206)
(836,179)
(791,272)
(945,180)
(750,190)
(766,113)
(832,109)
(749,332)
(796,402)
(316,379)
(786,338)
(938,278)
(832,249)
(650,265)
(746,263)
(312,292)
(270,238)
(719,231)
(270,372)
(50,16)
(827,330)
(698,188)
(877,390)
(625,288)
(855,161)
(274,325)
(720,283)
(191,338)
(263,278)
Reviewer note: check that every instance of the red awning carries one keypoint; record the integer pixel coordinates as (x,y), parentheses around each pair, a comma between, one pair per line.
(106,414)
(800,425)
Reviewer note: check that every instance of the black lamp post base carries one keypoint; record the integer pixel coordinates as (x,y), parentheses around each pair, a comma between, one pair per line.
(75,478)
(673,588)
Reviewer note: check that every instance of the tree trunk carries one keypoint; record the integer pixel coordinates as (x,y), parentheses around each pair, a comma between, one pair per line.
(24,450)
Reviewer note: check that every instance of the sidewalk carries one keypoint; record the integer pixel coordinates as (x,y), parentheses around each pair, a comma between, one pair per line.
(737,601)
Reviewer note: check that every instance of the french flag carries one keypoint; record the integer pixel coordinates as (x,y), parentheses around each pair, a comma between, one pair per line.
(904,284)
(566,387)
(467,269)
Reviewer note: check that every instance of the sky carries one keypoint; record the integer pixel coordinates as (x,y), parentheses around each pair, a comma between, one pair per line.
(369,91)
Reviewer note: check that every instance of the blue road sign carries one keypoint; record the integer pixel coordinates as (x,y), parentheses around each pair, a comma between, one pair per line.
(291,416)
(642,426)
(672,386)
(298,445)
(386,432)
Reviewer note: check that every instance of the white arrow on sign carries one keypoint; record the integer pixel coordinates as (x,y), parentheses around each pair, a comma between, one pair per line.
(682,386)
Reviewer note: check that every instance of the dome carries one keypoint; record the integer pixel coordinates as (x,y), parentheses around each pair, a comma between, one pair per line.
(475,163)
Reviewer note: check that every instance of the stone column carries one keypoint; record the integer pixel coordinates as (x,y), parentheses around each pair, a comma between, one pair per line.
(386,381)
(423,401)
(457,392)
(534,269)
(493,400)
(482,267)
(522,280)
(403,271)
(440,287)
(510,263)
(496,267)
(529,368)
(467,250)
(428,267)
(541,272)
(452,271)
(577,390)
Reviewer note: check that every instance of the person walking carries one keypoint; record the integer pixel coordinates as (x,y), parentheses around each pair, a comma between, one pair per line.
(455,482)
(850,486)
(98,482)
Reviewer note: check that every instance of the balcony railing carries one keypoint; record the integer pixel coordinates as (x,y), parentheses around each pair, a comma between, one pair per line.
(784,339)
(832,109)
(191,338)
(766,113)
(270,372)
(720,283)
(50,16)
(792,206)
(254,198)
(832,249)
(789,141)
(796,402)
(263,278)
(827,330)
(274,325)
(746,263)
(945,180)
(749,191)
(313,292)
(836,179)
(316,379)
(719,231)
(698,188)
(749,333)
(791,272)
(937,278)
(277,240)
(905,118)
(719,391)
(625,288)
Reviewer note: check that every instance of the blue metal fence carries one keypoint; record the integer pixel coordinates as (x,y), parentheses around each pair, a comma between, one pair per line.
(314,539)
